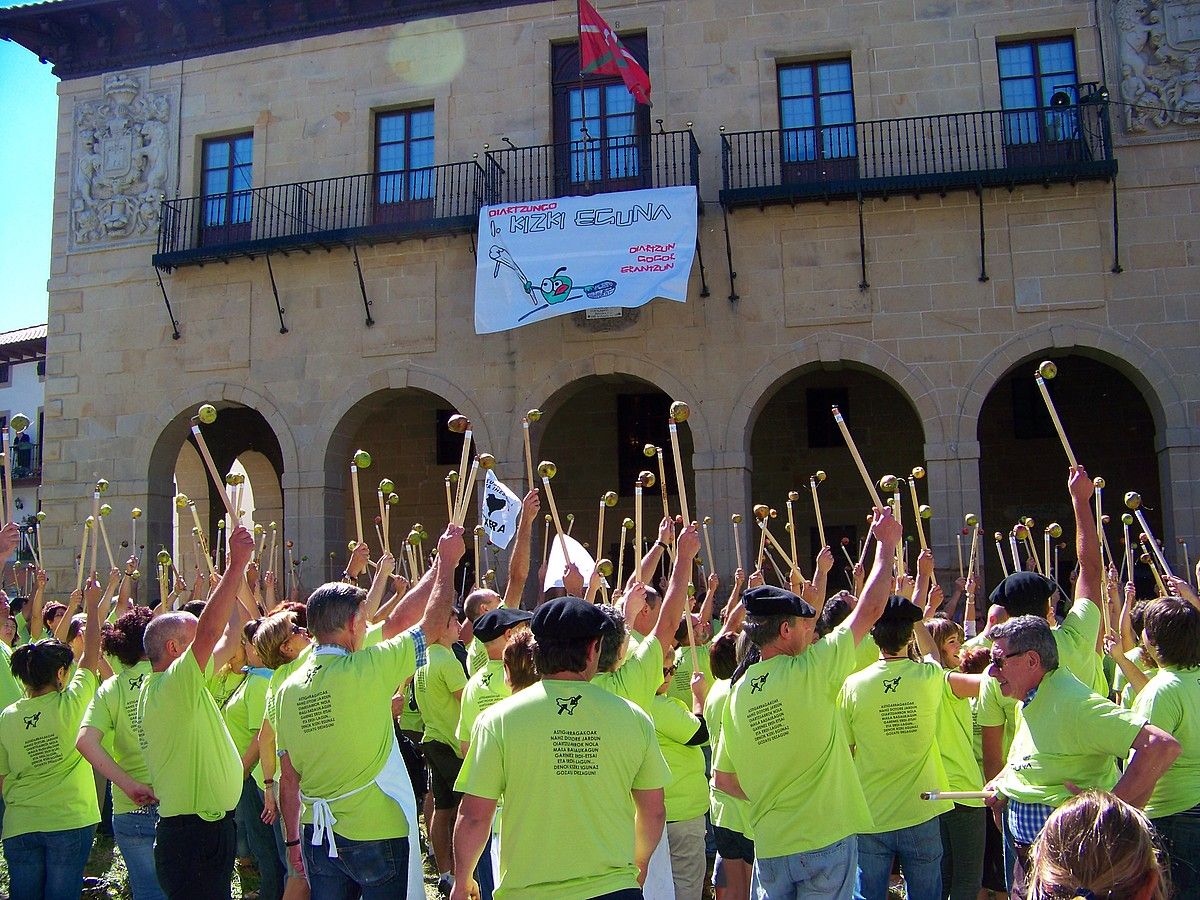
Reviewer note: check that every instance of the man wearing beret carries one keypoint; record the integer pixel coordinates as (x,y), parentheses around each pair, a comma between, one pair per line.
(890,711)
(783,747)
(579,771)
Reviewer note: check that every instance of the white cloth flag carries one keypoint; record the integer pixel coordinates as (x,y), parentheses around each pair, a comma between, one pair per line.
(556,564)
(501,509)
(552,257)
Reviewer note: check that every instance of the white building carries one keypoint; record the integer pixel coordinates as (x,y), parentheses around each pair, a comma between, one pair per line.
(22,390)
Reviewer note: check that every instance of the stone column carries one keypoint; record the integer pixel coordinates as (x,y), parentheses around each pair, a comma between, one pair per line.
(723,488)
(953,478)
(1178,452)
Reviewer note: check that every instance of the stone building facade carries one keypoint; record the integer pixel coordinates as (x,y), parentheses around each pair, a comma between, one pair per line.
(922,305)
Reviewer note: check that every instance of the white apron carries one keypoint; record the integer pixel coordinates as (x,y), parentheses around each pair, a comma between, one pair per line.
(393,780)
(659,883)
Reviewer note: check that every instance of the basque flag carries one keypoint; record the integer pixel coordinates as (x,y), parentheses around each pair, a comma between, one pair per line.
(602,53)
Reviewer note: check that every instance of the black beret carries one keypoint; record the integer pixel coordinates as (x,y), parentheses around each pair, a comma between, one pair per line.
(494,623)
(569,618)
(768,600)
(1023,593)
(901,609)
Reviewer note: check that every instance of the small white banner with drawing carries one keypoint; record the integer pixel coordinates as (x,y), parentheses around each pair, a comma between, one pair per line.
(501,509)
(552,257)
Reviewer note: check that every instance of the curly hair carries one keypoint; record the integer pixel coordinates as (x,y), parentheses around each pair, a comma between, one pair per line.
(123,638)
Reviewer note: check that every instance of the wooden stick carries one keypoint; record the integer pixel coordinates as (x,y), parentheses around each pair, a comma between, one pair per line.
(662,483)
(546,543)
(737,546)
(379,533)
(791,529)
(846,553)
(762,549)
(637,530)
(1003,564)
(1046,553)
(974,552)
(1162,588)
(958,542)
(562,541)
(912,489)
(955,795)
(262,540)
(600,531)
(467,493)
(271,556)
(1062,435)
(1016,557)
(683,503)
(858,461)
(1158,554)
(712,563)
(82,557)
(237,506)
(8,488)
(217,480)
(462,469)
(357,502)
(812,484)
(95,530)
(762,523)
(528,454)
(383,535)
(1031,549)
(212,569)
(449,502)
(620,586)
(475,535)
(112,561)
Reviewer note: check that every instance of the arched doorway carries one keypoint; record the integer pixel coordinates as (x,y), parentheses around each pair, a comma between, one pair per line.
(595,430)
(794,436)
(1023,470)
(176,467)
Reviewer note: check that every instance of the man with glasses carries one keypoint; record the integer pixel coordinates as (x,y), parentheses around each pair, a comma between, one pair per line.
(1068,740)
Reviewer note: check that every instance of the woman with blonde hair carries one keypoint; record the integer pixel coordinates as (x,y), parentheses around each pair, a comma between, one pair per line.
(1097,846)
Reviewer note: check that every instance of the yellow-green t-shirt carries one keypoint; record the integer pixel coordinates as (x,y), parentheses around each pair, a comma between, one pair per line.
(782,736)
(890,711)
(686,794)
(1067,733)
(956,743)
(434,686)
(561,753)
(194,766)
(638,677)
(1172,702)
(993,709)
(1121,685)
(10,689)
(222,685)
(333,717)
(114,713)
(48,785)
(245,711)
(1076,641)
(410,715)
(484,690)
(728,812)
(477,656)
(681,682)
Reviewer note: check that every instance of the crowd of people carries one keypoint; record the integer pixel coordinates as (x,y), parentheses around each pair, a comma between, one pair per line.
(781,741)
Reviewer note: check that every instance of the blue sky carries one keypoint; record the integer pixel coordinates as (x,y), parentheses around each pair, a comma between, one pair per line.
(28,96)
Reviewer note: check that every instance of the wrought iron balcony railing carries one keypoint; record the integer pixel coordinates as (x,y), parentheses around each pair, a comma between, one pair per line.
(593,166)
(995,148)
(356,209)
(27,460)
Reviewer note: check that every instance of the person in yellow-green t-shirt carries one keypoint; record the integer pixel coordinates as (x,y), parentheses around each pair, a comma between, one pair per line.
(111,726)
(1067,740)
(578,769)
(735,848)
(891,711)
(193,764)
(337,743)
(1171,701)
(50,809)
(681,734)
(783,747)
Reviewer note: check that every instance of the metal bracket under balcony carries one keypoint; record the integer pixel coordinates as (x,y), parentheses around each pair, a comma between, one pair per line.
(357,209)
(593,166)
(926,154)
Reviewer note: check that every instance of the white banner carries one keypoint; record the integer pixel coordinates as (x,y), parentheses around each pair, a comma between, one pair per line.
(552,257)
(501,509)
(556,563)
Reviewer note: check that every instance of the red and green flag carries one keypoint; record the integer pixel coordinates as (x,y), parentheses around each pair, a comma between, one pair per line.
(602,53)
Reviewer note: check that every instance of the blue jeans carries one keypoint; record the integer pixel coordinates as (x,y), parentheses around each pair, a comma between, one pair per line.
(813,874)
(260,837)
(134,834)
(373,870)
(48,865)
(1181,835)
(919,848)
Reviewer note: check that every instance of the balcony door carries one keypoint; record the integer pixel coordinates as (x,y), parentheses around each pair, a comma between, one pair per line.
(816,116)
(405,187)
(601,134)
(226,183)
(1037,132)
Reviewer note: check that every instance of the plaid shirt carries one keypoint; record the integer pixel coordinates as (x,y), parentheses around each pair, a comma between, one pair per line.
(419,644)
(1026,820)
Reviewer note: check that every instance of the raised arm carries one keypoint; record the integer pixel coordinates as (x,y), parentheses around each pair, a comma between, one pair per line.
(383,576)
(666,536)
(820,580)
(92,598)
(441,599)
(670,613)
(34,617)
(1155,751)
(220,607)
(1087,543)
(518,560)
(875,592)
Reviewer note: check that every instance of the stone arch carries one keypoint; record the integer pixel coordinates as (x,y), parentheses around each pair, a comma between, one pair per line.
(831,351)
(267,491)
(1148,369)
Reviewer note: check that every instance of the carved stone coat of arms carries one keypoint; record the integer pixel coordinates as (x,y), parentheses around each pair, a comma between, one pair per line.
(123,154)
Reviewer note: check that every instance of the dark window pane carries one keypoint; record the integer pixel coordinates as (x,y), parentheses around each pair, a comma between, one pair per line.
(822,429)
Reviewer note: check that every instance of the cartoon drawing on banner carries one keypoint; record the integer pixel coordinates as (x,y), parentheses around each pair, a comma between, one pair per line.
(558,288)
